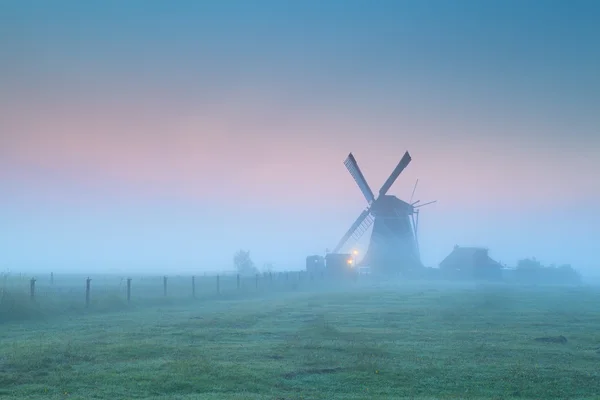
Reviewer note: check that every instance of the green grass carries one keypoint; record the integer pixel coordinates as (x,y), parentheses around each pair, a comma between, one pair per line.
(413,341)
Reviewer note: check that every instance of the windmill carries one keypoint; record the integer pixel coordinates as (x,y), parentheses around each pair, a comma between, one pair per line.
(394,242)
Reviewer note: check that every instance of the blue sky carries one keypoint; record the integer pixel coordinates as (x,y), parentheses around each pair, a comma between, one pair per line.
(152,135)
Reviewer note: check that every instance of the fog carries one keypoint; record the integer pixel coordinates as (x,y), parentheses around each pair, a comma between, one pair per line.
(168,139)
(151,237)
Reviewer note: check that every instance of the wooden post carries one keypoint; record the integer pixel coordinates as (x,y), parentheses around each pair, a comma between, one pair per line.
(218,284)
(32,288)
(165,286)
(193,286)
(128,290)
(87,292)
(238,281)
(51,278)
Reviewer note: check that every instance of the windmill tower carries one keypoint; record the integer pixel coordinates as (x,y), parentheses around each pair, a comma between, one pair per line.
(394,243)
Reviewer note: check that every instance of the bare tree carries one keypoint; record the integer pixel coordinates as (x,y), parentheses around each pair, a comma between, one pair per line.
(243,263)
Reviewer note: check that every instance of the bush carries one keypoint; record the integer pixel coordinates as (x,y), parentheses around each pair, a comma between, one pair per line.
(532,271)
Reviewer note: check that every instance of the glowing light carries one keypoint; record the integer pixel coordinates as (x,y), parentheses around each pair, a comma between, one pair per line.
(355,252)
(350,261)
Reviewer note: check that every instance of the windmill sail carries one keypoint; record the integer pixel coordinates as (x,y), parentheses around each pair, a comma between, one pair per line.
(359,178)
(363,222)
(399,168)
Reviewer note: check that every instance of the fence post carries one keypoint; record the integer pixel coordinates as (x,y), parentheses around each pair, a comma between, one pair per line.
(165,286)
(52,278)
(218,284)
(193,286)
(128,290)
(87,292)
(32,288)
(238,281)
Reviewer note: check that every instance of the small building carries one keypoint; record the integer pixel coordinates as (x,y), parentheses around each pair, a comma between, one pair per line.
(340,265)
(473,263)
(315,265)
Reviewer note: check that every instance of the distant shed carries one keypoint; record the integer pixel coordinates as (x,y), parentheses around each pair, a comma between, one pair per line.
(471,263)
(315,265)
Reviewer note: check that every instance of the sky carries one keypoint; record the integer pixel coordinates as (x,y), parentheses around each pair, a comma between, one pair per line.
(165,136)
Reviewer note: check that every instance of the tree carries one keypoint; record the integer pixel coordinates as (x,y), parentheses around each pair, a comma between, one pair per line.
(243,263)
(566,273)
(531,270)
(529,264)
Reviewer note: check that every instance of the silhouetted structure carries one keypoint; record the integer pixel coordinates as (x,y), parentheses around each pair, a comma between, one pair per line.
(315,265)
(394,244)
(471,263)
(340,265)
(531,271)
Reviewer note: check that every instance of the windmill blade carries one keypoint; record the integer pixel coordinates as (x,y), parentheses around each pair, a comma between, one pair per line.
(359,178)
(399,168)
(413,192)
(361,218)
(423,205)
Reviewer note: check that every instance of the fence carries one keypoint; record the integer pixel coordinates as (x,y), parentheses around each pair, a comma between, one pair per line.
(87,291)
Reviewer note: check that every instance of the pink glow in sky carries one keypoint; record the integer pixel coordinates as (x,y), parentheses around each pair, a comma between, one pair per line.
(155,150)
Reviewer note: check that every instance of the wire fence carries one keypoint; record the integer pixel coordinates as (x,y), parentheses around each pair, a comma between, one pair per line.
(100,291)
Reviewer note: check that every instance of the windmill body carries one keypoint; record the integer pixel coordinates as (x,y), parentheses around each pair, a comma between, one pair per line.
(393,245)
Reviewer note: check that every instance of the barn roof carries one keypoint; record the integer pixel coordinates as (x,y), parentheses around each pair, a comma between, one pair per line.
(466,255)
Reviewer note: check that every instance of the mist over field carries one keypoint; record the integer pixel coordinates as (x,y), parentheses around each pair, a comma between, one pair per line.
(296,337)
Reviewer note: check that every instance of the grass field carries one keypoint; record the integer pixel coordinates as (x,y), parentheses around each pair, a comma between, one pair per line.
(418,341)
